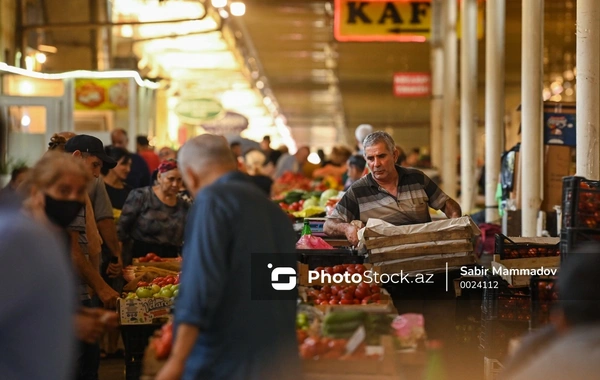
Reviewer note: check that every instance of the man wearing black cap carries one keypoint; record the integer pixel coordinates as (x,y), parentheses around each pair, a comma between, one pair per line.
(91,150)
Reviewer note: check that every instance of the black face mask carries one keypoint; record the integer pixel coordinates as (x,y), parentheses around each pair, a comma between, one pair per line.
(62,213)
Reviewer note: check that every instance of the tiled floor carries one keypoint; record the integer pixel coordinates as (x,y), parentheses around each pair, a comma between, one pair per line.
(112,369)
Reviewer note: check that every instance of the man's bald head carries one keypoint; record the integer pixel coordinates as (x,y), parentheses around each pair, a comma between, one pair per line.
(119,138)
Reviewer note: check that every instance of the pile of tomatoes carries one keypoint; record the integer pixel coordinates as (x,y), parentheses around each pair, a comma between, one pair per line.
(160,281)
(343,268)
(362,294)
(312,347)
(151,258)
(292,207)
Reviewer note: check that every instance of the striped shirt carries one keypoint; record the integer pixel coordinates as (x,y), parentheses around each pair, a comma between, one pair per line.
(365,199)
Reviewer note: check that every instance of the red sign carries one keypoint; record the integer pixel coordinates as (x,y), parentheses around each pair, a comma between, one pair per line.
(412,84)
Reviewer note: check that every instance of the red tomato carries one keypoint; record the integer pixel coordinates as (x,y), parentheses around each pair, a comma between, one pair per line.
(363,285)
(339,269)
(356,302)
(329,270)
(322,296)
(376,297)
(360,268)
(143,259)
(335,289)
(326,289)
(284,206)
(333,302)
(366,301)
(375,289)
(348,295)
(346,302)
(350,270)
(361,293)
(151,255)
(142,283)
(319,269)
(157,260)
(301,202)
(176,280)
(169,280)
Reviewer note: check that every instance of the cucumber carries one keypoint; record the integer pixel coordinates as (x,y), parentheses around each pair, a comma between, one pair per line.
(344,316)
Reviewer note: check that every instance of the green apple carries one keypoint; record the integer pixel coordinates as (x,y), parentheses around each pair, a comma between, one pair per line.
(155,288)
(167,293)
(144,292)
(156,295)
(175,287)
(175,292)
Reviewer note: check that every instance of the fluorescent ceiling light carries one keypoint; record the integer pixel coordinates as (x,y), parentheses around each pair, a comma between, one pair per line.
(81,74)
(224,60)
(237,8)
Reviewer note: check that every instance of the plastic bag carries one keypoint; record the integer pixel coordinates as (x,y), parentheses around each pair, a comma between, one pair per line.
(409,329)
(312,242)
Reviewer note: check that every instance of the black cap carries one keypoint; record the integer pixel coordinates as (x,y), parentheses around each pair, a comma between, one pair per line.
(91,145)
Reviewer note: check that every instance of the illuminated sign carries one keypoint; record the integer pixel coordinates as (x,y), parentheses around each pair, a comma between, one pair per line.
(380,20)
(412,84)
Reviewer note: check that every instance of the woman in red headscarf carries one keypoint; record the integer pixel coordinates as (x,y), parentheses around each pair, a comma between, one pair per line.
(153,218)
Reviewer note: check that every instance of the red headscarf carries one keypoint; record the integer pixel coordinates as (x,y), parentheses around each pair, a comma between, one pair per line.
(167,165)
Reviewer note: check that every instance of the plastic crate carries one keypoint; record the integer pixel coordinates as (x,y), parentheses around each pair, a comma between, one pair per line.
(580,203)
(135,340)
(509,249)
(496,335)
(505,303)
(543,296)
(328,257)
(573,238)
(491,368)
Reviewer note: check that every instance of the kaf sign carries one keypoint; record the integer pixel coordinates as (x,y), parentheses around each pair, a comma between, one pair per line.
(381,20)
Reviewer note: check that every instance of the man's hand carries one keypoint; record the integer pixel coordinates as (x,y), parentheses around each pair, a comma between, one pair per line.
(115,270)
(172,370)
(108,296)
(352,234)
(88,327)
(451,209)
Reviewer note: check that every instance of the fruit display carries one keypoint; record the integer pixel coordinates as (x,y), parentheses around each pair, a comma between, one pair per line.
(581,203)
(160,287)
(343,268)
(514,307)
(290,181)
(543,295)
(151,257)
(522,253)
(361,294)
(132,273)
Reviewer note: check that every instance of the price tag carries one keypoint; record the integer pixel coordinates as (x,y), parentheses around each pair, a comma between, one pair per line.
(357,338)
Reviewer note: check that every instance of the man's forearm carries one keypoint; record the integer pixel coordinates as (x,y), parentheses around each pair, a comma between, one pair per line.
(84,267)
(335,227)
(108,231)
(184,341)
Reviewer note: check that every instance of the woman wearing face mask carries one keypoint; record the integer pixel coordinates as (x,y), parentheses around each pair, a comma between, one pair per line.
(153,218)
(55,191)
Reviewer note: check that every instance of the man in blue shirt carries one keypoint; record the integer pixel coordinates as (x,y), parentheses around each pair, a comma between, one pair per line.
(220,331)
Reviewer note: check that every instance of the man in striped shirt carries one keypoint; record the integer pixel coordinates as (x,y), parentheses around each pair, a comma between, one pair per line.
(389,192)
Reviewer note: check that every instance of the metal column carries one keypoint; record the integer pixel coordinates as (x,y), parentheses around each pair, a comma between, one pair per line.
(450,143)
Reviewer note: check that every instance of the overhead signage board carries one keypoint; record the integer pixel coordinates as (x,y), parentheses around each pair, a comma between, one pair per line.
(101,94)
(412,84)
(388,21)
(194,111)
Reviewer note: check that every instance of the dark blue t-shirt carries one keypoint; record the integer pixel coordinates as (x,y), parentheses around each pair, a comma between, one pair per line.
(240,338)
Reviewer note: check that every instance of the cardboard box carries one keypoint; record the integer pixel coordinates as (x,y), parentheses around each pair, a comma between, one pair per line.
(143,311)
(557,164)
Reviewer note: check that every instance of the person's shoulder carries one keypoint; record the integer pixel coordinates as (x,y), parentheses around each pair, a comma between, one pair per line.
(364,181)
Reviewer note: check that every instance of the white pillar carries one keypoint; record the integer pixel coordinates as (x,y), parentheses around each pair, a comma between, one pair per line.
(437,83)
(531,130)
(494,101)
(588,93)
(468,103)
(450,143)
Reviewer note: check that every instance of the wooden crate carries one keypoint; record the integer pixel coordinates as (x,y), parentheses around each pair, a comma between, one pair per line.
(355,369)
(532,263)
(431,250)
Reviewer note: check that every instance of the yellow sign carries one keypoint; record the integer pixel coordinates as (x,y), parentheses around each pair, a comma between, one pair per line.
(101,94)
(381,20)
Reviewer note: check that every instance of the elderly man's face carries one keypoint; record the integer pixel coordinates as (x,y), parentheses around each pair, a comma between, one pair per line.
(381,161)
(119,140)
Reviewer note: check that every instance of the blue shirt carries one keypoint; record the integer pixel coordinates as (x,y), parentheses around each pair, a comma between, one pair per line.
(37,337)
(240,338)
